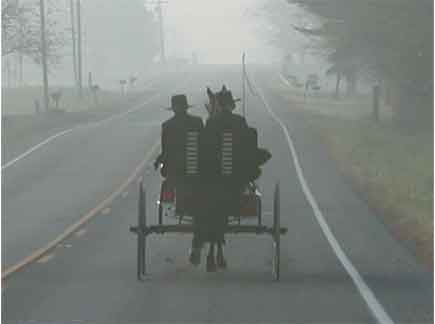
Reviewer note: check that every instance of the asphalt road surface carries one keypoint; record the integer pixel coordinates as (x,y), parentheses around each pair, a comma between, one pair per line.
(339,262)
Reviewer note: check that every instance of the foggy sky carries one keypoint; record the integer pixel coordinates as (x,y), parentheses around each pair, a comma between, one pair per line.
(219,31)
(115,37)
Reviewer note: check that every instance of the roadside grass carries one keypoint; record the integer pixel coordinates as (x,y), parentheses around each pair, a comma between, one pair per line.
(19,116)
(356,107)
(21,125)
(22,100)
(391,170)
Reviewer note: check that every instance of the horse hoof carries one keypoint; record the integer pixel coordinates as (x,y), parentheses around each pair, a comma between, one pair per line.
(211,265)
(195,257)
(221,263)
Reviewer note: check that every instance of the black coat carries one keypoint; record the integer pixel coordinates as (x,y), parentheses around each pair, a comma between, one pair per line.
(220,193)
(211,148)
(174,132)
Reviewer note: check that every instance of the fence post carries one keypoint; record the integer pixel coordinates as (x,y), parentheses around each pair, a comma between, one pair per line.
(376,97)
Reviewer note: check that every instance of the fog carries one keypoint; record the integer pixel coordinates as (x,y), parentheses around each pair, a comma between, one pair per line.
(116,125)
(219,31)
(121,38)
(345,43)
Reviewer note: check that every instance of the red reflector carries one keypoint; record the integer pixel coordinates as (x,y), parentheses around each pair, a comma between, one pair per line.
(168,196)
(248,206)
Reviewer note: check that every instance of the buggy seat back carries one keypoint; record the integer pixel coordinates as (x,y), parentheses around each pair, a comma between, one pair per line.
(191,154)
(231,156)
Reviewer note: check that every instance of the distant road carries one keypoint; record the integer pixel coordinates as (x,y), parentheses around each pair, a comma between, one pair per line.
(90,277)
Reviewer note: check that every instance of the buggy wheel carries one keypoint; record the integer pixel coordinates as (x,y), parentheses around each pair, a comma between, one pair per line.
(259,212)
(141,236)
(160,211)
(276,233)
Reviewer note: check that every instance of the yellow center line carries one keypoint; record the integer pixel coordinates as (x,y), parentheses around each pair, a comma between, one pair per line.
(81,232)
(46,258)
(84,219)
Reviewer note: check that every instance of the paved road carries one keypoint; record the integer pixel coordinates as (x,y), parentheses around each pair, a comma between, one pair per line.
(53,186)
(90,278)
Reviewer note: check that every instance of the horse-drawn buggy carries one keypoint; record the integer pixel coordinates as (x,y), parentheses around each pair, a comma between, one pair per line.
(250,207)
(176,210)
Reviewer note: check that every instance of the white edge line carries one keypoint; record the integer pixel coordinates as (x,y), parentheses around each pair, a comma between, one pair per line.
(369,297)
(34,148)
(64,132)
(284,80)
(92,213)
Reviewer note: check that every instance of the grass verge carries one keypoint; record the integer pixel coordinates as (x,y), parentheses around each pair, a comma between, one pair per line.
(23,128)
(22,100)
(392,171)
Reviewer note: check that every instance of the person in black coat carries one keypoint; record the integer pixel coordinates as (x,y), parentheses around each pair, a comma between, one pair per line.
(173,139)
(173,157)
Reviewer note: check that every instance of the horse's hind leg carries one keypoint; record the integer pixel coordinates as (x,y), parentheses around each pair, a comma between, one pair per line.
(211,264)
(220,259)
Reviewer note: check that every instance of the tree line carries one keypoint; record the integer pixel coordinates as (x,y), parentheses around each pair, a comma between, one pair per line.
(21,31)
(115,33)
(390,41)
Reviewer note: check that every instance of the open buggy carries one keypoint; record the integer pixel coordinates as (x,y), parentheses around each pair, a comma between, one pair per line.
(174,203)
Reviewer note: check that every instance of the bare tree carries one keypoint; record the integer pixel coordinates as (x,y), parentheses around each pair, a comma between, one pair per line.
(21,31)
(16,27)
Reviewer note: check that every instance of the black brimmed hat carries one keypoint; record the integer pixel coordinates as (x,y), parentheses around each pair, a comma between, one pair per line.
(179,102)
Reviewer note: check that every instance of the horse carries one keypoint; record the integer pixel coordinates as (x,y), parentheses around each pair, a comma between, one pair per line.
(214,107)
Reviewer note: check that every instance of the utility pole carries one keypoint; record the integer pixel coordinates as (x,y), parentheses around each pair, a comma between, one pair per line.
(7,72)
(20,63)
(90,83)
(17,70)
(161,28)
(162,35)
(244,85)
(376,97)
(20,54)
(73,38)
(44,54)
(79,49)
